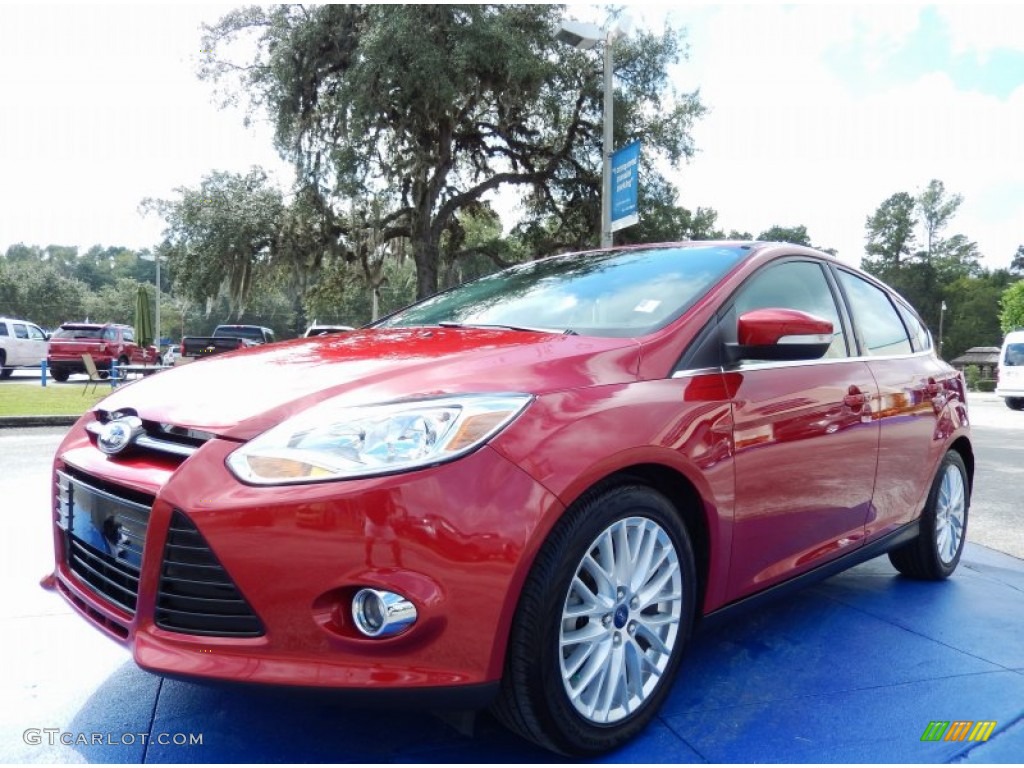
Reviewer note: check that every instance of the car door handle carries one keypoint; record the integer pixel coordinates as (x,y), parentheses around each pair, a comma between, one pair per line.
(854,399)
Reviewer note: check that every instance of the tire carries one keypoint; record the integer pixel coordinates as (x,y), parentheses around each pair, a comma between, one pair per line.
(561,652)
(1015,403)
(5,373)
(936,551)
(58,373)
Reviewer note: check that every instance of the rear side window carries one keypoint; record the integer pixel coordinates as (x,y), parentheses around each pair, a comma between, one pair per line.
(881,330)
(3,329)
(19,331)
(110,334)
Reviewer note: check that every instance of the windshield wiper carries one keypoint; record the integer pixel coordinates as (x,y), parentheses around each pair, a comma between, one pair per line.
(502,326)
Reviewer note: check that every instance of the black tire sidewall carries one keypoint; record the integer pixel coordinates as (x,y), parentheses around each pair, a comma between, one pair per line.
(575,734)
(929,518)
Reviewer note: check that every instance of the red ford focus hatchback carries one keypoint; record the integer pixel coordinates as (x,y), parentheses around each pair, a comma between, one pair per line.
(524,492)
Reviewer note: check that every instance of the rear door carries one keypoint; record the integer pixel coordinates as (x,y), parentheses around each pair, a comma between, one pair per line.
(805,443)
(914,386)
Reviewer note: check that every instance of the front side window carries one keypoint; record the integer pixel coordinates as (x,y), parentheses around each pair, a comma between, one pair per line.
(616,293)
(129,335)
(794,285)
(881,329)
(36,333)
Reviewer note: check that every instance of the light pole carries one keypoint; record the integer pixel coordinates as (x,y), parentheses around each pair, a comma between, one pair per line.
(583,37)
(942,317)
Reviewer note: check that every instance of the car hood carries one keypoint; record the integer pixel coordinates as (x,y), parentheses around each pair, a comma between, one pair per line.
(241,394)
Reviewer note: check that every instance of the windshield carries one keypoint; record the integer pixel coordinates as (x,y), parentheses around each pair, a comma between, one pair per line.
(613,293)
(1014,354)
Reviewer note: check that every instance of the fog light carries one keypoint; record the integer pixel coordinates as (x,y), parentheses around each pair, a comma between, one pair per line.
(378,613)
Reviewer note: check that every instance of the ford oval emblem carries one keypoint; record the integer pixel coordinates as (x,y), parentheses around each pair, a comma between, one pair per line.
(117,435)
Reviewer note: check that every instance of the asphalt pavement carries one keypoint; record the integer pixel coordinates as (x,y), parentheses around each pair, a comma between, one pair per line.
(854,669)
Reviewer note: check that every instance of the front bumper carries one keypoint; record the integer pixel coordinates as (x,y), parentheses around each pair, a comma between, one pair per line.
(456,539)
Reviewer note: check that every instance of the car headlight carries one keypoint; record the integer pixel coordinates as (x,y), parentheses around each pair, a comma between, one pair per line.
(333,442)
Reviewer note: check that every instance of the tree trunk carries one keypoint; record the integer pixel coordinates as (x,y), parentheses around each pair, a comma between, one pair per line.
(426,253)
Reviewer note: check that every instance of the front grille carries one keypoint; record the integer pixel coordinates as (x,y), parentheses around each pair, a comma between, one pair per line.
(196,595)
(104,534)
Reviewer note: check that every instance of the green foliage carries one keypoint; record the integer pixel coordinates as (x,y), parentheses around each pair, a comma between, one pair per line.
(1017,265)
(971,318)
(972,375)
(987,385)
(890,234)
(38,292)
(219,238)
(425,109)
(796,235)
(1011,306)
(936,208)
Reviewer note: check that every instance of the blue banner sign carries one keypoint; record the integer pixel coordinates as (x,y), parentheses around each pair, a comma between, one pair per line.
(625,182)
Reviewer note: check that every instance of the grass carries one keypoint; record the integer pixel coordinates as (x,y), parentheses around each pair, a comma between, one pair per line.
(23,399)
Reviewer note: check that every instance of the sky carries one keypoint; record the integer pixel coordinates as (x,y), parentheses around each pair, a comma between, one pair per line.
(817,114)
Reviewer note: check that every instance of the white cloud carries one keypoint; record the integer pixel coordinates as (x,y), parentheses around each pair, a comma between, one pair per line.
(788,143)
(103,108)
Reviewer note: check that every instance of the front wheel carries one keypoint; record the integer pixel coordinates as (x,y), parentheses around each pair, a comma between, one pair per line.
(601,624)
(936,551)
(1015,403)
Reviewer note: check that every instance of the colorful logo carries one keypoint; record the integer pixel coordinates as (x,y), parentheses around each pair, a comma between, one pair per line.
(958,730)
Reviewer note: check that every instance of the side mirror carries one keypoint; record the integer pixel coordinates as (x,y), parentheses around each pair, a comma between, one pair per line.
(780,334)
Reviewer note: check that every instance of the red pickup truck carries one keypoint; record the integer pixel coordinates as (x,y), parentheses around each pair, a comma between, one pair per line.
(106,342)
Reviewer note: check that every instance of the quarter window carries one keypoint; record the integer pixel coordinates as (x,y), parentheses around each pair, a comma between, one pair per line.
(881,329)
(919,335)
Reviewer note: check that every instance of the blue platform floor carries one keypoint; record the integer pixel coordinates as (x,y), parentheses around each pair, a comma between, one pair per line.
(850,670)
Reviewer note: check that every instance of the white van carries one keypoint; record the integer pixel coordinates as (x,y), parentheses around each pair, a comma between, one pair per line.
(1010,374)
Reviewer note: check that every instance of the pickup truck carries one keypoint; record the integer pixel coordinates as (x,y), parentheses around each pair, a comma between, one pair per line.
(225,338)
(108,343)
(21,344)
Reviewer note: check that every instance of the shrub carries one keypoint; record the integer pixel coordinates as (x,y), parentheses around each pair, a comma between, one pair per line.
(987,385)
(972,374)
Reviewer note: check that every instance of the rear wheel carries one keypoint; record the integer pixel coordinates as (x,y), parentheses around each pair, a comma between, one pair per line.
(59,373)
(5,373)
(601,625)
(1015,403)
(936,551)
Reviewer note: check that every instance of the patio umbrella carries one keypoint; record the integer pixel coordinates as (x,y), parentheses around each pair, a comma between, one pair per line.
(143,319)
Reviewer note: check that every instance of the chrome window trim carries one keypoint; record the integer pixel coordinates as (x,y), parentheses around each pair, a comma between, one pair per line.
(771,364)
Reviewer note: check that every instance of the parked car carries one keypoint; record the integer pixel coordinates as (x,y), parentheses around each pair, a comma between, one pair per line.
(1010,371)
(225,338)
(319,329)
(523,492)
(171,355)
(21,344)
(107,343)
